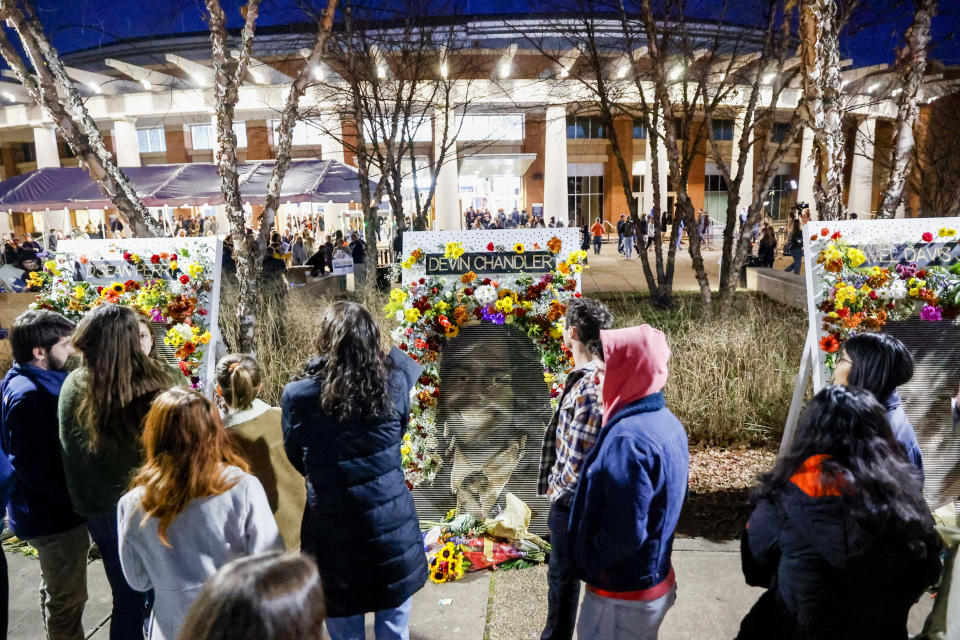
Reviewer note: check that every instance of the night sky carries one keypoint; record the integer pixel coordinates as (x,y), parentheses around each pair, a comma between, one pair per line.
(81,24)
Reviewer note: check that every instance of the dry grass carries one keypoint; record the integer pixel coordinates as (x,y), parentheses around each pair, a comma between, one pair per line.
(731,378)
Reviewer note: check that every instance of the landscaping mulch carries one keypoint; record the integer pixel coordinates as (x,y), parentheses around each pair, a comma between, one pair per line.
(718,504)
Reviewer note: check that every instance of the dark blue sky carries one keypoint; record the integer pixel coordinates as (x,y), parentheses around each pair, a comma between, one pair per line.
(81,24)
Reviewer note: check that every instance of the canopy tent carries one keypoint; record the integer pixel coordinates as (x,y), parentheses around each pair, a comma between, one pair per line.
(181,185)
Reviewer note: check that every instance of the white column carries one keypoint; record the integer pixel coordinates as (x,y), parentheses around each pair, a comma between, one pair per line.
(125,142)
(446,200)
(45,141)
(746,184)
(806,178)
(331,138)
(861,169)
(555,163)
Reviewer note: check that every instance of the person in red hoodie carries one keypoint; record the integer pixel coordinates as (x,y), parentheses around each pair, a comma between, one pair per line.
(630,494)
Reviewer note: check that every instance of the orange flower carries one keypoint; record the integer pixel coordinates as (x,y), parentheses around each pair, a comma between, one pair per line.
(554,244)
(468,277)
(563,268)
(829,343)
(460,315)
(556,311)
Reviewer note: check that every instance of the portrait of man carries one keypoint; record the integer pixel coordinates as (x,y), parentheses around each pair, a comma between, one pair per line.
(493,408)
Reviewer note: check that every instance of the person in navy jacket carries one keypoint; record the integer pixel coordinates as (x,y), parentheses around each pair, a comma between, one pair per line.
(39,508)
(343,425)
(840,536)
(880,363)
(630,494)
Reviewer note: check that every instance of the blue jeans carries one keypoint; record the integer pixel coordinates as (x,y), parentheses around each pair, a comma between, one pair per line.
(797,255)
(129,606)
(627,247)
(597,241)
(611,619)
(563,586)
(388,624)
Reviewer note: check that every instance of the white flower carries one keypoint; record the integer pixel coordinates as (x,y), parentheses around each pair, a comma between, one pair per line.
(399,317)
(898,290)
(184,331)
(485,294)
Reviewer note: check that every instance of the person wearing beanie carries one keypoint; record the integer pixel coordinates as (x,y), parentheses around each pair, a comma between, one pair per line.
(630,494)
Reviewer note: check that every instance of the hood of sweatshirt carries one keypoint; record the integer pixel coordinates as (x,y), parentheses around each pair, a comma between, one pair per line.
(635,366)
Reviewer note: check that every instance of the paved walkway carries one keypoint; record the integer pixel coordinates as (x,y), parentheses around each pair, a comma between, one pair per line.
(711,600)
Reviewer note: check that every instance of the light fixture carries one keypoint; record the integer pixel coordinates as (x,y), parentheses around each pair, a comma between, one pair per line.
(505,70)
(873,87)
(675,72)
(94,88)
(318,72)
(897,91)
(444,70)
(768,78)
(564,72)
(257,77)
(766,202)
(146,84)
(381,71)
(622,72)
(843,85)
(196,79)
(793,184)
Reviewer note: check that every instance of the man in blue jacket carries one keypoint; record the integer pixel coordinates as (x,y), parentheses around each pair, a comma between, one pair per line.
(630,493)
(39,509)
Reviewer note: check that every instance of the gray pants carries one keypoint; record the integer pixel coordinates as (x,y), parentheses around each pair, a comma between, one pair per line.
(610,619)
(63,581)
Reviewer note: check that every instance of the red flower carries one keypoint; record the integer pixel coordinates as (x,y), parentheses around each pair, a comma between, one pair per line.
(813,238)
(403,346)
(184,368)
(576,295)
(423,281)
(436,393)
(173,258)
(99,289)
(921,274)
(836,235)
(829,343)
(873,295)
(927,236)
(184,279)
(154,258)
(843,313)
(486,281)
(496,285)
(420,344)
(824,231)
(468,291)
(490,247)
(131,285)
(126,256)
(434,291)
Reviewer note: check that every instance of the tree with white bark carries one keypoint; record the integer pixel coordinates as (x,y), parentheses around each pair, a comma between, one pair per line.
(229,76)
(55,92)
(911,65)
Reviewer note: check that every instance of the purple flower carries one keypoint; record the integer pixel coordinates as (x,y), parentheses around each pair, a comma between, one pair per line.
(906,271)
(931,313)
(492,315)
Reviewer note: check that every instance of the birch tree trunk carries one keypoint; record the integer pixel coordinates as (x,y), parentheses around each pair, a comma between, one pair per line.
(68,112)
(822,97)
(913,63)
(227,83)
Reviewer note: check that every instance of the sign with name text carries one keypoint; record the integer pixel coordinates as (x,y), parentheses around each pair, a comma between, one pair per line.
(489,262)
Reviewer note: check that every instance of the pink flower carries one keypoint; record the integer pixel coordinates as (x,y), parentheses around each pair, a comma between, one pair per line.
(931,313)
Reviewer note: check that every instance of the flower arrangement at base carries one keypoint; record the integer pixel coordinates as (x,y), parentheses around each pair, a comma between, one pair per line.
(430,310)
(174,300)
(856,298)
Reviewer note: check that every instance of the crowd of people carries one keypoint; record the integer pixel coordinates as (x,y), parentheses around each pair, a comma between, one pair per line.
(192,502)
(516,219)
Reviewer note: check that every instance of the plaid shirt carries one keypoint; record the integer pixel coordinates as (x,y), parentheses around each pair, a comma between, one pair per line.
(571,434)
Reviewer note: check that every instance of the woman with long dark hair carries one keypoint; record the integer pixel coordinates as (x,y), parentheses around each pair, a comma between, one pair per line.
(192,508)
(270,596)
(101,411)
(840,536)
(880,363)
(343,424)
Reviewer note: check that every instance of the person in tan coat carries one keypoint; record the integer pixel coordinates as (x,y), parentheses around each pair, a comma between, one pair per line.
(255,427)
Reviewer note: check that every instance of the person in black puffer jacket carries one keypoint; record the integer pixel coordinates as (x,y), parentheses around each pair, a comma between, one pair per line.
(840,536)
(343,425)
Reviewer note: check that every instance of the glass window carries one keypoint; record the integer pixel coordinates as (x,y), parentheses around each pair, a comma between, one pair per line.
(581,128)
(780,198)
(780,131)
(306,133)
(421,131)
(639,130)
(508,126)
(584,199)
(715,198)
(205,137)
(151,140)
(722,129)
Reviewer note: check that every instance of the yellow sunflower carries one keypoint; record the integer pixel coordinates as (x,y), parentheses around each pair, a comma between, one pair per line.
(519,247)
(438,577)
(117,287)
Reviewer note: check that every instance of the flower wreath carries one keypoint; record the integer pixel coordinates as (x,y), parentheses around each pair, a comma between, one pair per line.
(855,298)
(179,303)
(429,311)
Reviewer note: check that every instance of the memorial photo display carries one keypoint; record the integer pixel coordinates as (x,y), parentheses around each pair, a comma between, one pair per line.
(493,410)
